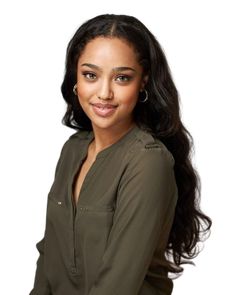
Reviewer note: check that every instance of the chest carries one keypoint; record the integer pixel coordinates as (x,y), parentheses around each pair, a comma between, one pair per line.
(79,179)
(88,184)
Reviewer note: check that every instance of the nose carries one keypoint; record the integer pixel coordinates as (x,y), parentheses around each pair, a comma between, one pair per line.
(105,90)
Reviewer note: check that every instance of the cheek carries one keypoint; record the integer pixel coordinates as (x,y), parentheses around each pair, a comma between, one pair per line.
(129,96)
(83,91)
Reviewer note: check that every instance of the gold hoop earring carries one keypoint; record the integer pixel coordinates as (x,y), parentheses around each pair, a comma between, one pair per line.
(75,89)
(146,96)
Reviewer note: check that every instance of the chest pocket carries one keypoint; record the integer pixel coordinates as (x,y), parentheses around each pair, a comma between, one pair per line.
(94,224)
(95,221)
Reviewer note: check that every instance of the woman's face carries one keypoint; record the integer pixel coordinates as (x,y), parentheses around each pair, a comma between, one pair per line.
(109,79)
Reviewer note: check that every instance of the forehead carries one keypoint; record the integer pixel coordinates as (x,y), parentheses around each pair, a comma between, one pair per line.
(109,51)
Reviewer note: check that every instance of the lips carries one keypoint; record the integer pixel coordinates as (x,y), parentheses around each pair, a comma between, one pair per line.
(103,110)
(103,105)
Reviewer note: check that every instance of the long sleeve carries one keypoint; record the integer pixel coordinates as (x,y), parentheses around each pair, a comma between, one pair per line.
(145,206)
(41,286)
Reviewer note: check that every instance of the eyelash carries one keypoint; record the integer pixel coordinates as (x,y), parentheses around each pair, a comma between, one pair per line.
(88,75)
(127,78)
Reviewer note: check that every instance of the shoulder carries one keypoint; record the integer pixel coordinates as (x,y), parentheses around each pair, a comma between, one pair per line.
(80,134)
(149,166)
(148,148)
(76,139)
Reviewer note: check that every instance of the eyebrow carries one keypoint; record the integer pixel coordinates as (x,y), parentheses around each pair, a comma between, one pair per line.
(116,69)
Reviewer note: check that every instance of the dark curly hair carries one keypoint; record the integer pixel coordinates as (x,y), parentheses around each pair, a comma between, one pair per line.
(160,116)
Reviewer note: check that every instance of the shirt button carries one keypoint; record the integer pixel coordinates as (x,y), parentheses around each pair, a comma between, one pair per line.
(83,209)
(59,203)
(73,270)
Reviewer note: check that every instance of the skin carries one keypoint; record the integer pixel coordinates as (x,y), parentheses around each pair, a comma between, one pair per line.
(102,71)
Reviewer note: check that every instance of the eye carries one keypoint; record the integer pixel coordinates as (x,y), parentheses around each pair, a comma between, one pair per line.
(123,78)
(89,76)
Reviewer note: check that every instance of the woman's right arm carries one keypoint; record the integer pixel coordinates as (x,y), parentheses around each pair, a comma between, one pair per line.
(41,285)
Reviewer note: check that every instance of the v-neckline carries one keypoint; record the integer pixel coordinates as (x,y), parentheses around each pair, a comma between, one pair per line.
(77,171)
(77,174)
(89,138)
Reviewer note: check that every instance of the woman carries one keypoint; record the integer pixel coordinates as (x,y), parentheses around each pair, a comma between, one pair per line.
(123,209)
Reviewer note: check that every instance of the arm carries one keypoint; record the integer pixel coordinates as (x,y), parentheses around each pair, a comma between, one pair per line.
(145,202)
(41,285)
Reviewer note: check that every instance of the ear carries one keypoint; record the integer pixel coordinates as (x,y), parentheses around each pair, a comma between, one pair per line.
(144,82)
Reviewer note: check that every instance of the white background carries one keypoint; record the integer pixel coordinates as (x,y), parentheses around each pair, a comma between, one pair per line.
(198,38)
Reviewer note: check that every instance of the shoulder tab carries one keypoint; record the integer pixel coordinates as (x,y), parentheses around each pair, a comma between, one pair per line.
(148,141)
(160,145)
(145,137)
(152,145)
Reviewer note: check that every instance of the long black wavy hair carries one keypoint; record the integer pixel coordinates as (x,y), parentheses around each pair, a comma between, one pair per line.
(160,116)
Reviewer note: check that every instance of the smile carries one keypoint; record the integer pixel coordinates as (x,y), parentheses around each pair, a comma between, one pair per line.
(104,110)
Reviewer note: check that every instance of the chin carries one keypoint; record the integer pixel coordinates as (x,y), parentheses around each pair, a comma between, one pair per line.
(102,125)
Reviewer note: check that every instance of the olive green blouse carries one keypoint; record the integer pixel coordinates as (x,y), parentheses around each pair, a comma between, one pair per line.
(113,241)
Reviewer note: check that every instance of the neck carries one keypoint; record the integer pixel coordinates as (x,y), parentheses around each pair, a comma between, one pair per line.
(104,137)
